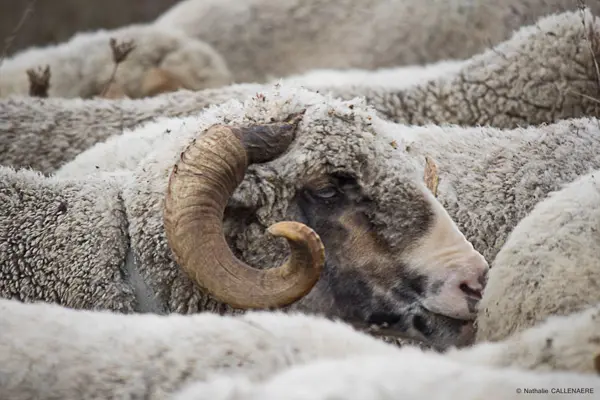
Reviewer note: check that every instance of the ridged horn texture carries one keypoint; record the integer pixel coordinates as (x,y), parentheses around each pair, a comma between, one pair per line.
(200,185)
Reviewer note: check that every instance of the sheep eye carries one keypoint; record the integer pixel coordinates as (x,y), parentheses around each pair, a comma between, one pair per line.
(328,192)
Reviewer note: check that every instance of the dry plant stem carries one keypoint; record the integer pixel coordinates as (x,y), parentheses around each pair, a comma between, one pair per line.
(120,51)
(39,81)
(13,35)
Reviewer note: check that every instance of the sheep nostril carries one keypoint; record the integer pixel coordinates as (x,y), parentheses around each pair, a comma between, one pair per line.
(470,292)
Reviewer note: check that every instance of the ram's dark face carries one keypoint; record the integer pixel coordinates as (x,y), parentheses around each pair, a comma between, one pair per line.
(396,260)
(393,255)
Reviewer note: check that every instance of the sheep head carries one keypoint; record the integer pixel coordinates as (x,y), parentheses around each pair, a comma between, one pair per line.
(200,184)
(393,255)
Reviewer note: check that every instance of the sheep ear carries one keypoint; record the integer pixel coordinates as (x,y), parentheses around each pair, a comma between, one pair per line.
(159,80)
(431,176)
(114,91)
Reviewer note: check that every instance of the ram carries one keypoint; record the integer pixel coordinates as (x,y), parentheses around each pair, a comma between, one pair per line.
(282,38)
(490,178)
(51,352)
(549,265)
(162,60)
(102,242)
(544,73)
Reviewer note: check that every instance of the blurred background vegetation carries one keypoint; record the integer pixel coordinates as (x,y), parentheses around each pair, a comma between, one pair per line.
(52,21)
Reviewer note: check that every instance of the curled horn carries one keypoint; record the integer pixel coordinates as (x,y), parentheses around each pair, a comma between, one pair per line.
(200,185)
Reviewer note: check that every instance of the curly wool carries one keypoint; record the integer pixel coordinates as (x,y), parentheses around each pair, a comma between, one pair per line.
(151,356)
(334,134)
(548,265)
(265,39)
(544,73)
(82,66)
(412,375)
(537,78)
(71,354)
(44,134)
(490,179)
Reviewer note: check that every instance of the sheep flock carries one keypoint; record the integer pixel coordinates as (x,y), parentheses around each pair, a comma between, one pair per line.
(305,200)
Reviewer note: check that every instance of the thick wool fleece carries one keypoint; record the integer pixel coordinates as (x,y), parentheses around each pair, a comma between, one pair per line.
(49,352)
(261,39)
(412,375)
(333,136)
(549,265)
(82,66)
(490,179)
(44,134)
(63,241)
(543,74)
(568,343)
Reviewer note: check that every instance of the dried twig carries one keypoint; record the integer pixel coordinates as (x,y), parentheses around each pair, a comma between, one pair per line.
(120,51)
(13,35)
(431,175)
(39,81)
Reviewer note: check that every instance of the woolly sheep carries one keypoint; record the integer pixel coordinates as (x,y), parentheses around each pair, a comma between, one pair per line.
(414,376)
(490,178)
(558,239)
(411,375)
(108,230)
(163,60)
(54,352)
(55,130)
(567,343)
(547,73)
(262,39)
(50,352)
(544,73)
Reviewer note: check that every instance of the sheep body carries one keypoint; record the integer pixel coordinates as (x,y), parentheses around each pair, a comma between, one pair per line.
(561,342)
(70,353)
(82,66)
(543,74)
(549,263)
(291,37)
(411,375)
(396,78)
(490,179)
(337,134)
(54,131)
(486,219)
(517,168)
(518,98)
